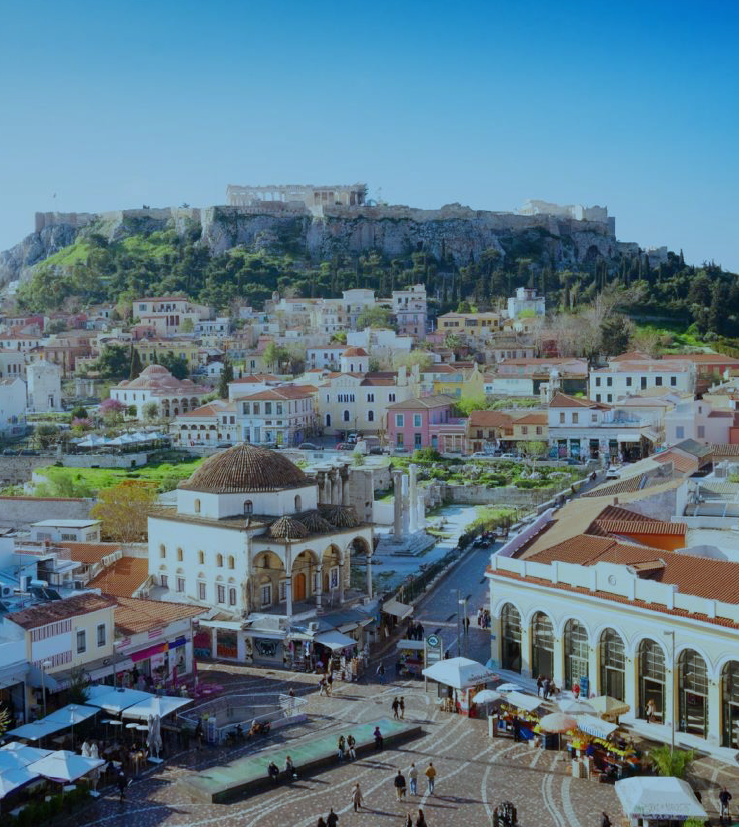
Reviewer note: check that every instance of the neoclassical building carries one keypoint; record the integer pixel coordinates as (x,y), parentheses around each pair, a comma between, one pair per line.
(156,384)
(635,622)
(255,538)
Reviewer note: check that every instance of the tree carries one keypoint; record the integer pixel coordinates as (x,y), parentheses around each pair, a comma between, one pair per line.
(339,336)
(176,365)
(531,450)
(187,326)
(151,411)
(78,412)
(422,358)
(471,403)
(615,334)
(114,362)
(79,686)
(273,356)
(374,317)
(671,762)
(227,375)
(46,435)
(136,364)
(112,411)
(124,510)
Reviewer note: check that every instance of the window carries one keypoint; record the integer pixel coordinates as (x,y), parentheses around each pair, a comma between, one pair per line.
(575,418)
(679,432)
(609,398)
(416,420)
(219,561)
(334,577)
(346,416)
(201,591)
(179,555)
(101,635)
(230,561)
(232,597)
(597,397)
(278,408)
(266,593)
(628,381)
(399,420)
(539,430)
(593,417)
(701,431)
(267,407)
(417,441)
(658,381)
(597,381)
(196,507)
(221,592)
(201,557)
(81,641)
(180,584)
(524,429)
(370,416)
(391,397)
(245,407)
(561,418)
(248,507)
(370,397)
(162,550)
(256,407)
(283,590)
(609,381)
(643,383)
(399,440)
(673,381)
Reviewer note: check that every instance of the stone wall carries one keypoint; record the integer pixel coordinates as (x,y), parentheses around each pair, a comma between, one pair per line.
(18,470)
(104,460)
(20,512)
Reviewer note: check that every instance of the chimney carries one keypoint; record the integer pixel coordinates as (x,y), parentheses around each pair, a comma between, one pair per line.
(615,500)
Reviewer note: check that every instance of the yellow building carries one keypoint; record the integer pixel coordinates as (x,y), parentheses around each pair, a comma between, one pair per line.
(462,383)
(471,324)
(151,350)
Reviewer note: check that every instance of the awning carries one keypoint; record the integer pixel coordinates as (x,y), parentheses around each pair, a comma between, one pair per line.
(117,700)
(267,634)
(37,730)
(595,726)
(232,625)
(658,798)
(417,645)
(72,714)
(459,673)
(64,765)
(397,609)
(335,640)
(161,706)
(526,702)
(34,679)
(629,437)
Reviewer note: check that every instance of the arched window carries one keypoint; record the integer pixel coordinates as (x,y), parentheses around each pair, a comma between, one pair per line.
(248,507)
(179,555)
(692,683)
(651,678)
(201,558)
(612,665)
(577,653)
(298,503)
(162,550)
(510,636)
(542,645)
(370,416)
(730,704)
(328,420)
(230,561)
(196,506)
(346,416)
(219,561)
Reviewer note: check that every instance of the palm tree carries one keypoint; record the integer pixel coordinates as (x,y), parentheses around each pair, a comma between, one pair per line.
(671,762)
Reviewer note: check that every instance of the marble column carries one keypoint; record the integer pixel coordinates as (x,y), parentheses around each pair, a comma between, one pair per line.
(370,590)
(413,499)
(339,487)
(345,485)
(341,583)
(319,588)
(406,510)
(327,487)
(288,596)
(397,505)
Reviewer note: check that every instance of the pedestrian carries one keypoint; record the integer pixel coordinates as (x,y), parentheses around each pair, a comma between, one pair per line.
(419,631)
(545,688)
(330,683)
(273,772)
(605,822)
(576,690)
(357,798)
(350,742)
(431,777)
(409,820)
(378,738)
(332,819)
(650,711)
(341,747)
(322,687)
(402,706)
(290,769)
(321,822)
(479,617)
(724,798)
(413,778)
(467,624)
(539,685)
(399,785)
(199,734)
(381,672)
(421,819)
(395,706)
(121,783)
(516,729)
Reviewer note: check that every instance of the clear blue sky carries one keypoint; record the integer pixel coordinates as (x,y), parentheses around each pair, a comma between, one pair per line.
(630,104)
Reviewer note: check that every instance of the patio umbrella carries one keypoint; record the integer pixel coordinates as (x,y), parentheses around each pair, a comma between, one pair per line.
(487,696)
(155,705)
(24,753)
(557,722)
(64,765)
(11,779)
(459,673)
(577,706)
(606,706)
(508,687)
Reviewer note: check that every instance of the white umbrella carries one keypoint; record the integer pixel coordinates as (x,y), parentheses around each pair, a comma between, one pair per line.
(508,687)
(23,753)
(557,722)
(155,705)
(658,798)
(11,779)
(116,700)
(577,706)
(487,696)
(72,714)
(64,765)
(459,673)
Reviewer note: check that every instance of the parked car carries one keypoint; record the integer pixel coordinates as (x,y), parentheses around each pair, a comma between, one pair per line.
(481,455)
(28,452)
(344,446)
(308,446)
(378,449)
(9,452)
(509,456)
(574,461)
(613,472)
(352,438)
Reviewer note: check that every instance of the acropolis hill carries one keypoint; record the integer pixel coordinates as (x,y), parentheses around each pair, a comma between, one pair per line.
(323,221)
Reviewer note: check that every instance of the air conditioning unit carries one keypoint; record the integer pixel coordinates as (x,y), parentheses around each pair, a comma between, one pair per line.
(313,626)
(7,591)
(79,585)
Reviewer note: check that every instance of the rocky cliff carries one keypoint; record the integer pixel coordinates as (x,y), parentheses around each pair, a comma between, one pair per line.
(16,263)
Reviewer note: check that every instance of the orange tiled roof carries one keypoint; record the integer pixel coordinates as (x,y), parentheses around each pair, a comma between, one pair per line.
(489,419)
(54,610)
(90,552)
(135,614)
(123,578)
(679,462)
(562,400)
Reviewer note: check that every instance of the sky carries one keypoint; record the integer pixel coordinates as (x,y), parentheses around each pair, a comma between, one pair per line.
(631,105)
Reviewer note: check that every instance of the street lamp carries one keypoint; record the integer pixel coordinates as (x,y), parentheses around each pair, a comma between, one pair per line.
(461,601)
(44,666)
(671,634)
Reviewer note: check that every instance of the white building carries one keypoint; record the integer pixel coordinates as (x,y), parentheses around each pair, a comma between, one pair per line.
(73,531)
(410,310)
(12,407)
(526,301)
(379,340)
(44,386)
(156,384)
(326,357)
(167,314)
(281,415)
(634,373)
(12,364)
(696,419)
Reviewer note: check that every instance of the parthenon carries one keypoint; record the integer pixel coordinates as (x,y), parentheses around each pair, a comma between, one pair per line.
(310,195)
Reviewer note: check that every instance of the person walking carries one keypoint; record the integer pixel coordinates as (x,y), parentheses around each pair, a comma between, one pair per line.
(199,734)
(322,687)
(605,821)
(121,783)
(413,778)
(401,703)
(321,822)
(330,683)
(341,747)
(545,688)
(290,769)
(724,798)
(409,820)
(421,819)
(332,819)
(395,706)
(357,798)
(431,777)
(399,783)
(381,672)
(378,738)
(350,742)
(539,685)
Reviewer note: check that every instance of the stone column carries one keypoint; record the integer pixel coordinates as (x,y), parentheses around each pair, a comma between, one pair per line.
(413,499)
(558,659)
(397,505)
(345,485)
(631,694)
(327,487)
(289,596)
(405,505)
(714,710)
(526,650)
(370,590)
(593,671)
(319,590)
(341,583)
(339,487)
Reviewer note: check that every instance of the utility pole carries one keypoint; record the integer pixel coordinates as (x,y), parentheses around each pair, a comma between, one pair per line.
(671,634)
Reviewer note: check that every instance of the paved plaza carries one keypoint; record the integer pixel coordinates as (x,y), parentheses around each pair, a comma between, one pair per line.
(474,773)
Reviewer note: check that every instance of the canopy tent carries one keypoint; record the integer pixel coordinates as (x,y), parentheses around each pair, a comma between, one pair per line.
(487,696)
(577,706)
(335,639)
(658,797)
(509,687)
(607,707)
(64,765)
(96,690)
(72,714)
(557,722)
(459,673)
(117,700)
(526,702)
(416,645)
(397,609)
(596,727)
(92,441)
(37,730)
(21,753)
(155,705)
(12,779)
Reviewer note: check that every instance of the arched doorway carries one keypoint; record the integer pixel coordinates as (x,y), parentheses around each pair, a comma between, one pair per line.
(303,572)
(612,665)
(692,681)
(510,638)
(577,653)
(651,678)
(299,585)
(542,645)
(730,704)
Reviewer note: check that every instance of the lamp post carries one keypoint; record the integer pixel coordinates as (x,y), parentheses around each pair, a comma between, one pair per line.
(671,634)
(44,666)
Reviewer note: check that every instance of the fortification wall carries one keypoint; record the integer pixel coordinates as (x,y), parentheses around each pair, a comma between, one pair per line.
(54,219)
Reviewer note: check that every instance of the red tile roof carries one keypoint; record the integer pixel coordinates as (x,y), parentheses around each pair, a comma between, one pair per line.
(489,419)
(90,552)
(134,614)
(123,578)
(54,610)
(561,400)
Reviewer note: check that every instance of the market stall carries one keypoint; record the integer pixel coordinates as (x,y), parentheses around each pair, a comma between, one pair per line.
(656,801)
(518,715)
(411,658)
(600,749)
(608,708)
(459,679)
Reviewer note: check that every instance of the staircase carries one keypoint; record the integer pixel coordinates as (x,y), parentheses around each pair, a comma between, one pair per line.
(413,545)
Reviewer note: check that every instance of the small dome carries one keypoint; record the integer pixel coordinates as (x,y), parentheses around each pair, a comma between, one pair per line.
(245,468)
(355,351)
(315,523)
(155,370)
(288,528)
(341,516)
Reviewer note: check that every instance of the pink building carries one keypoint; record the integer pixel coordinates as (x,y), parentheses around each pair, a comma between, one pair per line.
(428,422)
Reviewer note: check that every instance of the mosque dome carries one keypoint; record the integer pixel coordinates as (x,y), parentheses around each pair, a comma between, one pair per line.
(288,528)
